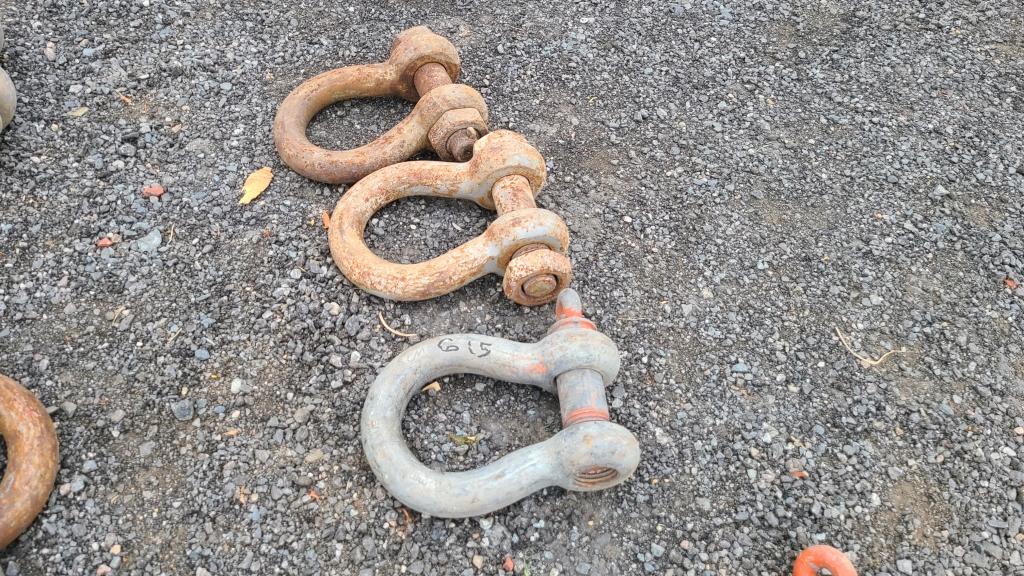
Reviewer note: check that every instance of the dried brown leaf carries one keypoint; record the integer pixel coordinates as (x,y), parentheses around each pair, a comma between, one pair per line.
(255,184)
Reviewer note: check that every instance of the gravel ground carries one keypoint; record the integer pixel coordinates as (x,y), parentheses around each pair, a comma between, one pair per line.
(740,180)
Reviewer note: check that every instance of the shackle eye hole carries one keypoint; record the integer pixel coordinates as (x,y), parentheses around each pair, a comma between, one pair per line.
(596,477)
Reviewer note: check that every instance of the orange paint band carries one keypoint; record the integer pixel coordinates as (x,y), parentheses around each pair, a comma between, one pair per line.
(562,312)
(588,414)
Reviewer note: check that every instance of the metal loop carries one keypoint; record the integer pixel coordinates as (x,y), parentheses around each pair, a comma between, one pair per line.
(443,111)
(590,453)
(498,156)
(821,556)
(32,460)
(8,96)
(8,99)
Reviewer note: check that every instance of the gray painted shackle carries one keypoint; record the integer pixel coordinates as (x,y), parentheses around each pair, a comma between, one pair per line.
(574,361)
(7,94)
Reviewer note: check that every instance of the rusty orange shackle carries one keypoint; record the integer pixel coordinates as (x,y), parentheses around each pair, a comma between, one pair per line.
(525,244)
(32,460)
(821,557)
(422,67)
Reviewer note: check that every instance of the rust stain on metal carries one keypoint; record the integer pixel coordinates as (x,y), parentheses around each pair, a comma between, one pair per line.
(430,76)
(526,244)
(421,68)
(534,272)
(32,460)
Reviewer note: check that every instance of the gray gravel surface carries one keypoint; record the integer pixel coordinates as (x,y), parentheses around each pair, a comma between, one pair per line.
(740,180)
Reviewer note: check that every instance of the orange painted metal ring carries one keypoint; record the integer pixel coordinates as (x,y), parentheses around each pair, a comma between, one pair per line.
(820,557)
(420,69)
(32,459)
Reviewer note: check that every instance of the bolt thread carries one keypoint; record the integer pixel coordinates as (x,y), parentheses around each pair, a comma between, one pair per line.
(460,144)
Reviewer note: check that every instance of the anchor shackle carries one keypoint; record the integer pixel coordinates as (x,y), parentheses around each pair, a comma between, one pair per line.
(8,97)
(525,244)
(32,460)
(422,68)
(574,361)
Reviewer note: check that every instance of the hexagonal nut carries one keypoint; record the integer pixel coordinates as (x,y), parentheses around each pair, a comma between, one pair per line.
(415,47)
(537,277)
(8,100)
(451,122)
